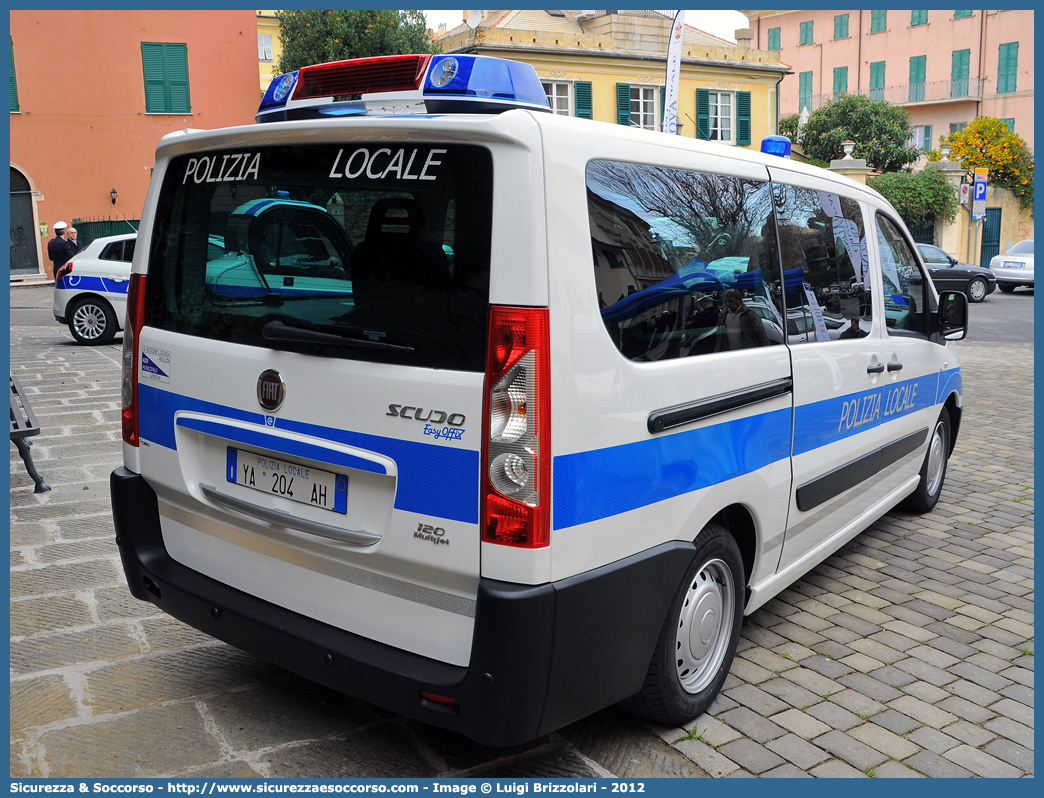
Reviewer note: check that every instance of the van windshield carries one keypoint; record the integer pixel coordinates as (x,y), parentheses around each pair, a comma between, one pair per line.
(371,251)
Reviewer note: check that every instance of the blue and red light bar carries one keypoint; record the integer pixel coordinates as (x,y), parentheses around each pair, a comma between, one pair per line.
(403,84)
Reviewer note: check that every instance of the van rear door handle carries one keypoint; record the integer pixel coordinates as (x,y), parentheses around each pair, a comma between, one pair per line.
(875,369)
(895,366)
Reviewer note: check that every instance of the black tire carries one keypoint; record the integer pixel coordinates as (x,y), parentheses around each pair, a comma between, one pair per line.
(933,469)
(1007,288)
(92,321)
(687,670)
(977,289)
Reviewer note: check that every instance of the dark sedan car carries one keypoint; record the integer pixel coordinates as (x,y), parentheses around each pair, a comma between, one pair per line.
(949,275)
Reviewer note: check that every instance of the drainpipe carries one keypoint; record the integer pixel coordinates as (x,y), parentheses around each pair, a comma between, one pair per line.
(859,51)
(982,64)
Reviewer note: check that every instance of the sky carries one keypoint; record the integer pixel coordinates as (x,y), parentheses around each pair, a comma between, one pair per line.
(719,23)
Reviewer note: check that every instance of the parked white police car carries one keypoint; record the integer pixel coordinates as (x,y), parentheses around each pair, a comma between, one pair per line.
(90,289)
(443,426)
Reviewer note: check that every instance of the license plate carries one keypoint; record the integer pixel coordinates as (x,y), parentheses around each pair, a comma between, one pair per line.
(1012,264)
(277,477)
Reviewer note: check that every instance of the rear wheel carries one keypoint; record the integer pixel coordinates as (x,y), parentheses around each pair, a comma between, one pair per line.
(977,290)
(698,640)
(92,321)
(933,470)
(1007,288)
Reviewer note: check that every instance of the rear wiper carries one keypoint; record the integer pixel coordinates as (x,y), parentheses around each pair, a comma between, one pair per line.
(278,331)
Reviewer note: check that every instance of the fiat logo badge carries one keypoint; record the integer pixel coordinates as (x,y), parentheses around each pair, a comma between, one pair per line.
(271,390)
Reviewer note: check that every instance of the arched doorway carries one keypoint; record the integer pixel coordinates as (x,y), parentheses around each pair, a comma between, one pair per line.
(25,239)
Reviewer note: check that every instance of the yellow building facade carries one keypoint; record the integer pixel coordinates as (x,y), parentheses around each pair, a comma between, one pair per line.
(611,67)
(269,49)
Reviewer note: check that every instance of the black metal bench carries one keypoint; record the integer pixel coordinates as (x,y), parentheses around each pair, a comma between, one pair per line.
(23,427)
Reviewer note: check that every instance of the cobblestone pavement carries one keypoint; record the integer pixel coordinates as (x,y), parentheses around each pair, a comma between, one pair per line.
(907,654)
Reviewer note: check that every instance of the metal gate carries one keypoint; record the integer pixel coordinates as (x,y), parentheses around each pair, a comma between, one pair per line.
(923,233)
(991,234)
(24,238)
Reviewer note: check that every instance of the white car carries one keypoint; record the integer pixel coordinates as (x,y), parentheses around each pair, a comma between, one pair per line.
(90,290)
(1014,267)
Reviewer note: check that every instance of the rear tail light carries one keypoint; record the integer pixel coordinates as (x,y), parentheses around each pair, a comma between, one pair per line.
(131,331)
(63,270)
(516,484)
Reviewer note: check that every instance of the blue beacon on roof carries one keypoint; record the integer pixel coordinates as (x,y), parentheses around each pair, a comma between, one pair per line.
(403,84)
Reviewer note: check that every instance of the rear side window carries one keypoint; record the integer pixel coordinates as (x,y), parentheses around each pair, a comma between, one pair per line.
(825,264)
(672,250)
(369,251)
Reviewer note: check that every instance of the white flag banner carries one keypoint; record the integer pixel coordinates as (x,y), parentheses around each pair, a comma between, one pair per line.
(670,97)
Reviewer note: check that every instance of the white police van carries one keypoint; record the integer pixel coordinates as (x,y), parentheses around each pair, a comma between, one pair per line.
(444,427)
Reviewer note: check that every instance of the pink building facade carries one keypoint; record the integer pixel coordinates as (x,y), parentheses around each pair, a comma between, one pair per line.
(945,67)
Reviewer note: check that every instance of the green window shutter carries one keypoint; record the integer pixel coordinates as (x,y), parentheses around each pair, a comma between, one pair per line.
(918,18)
(917,72)
(841,26)
(807,36)
(743,117)
(841,80)
(959,73)
(961,14)
(773,38)
(582,95)
(805,91)
(878,21)
(928,138)
(1007,67)
(1010,122)
(165,69)
(623,104)
(877,80)
(703,114)
(14,83)
(663,99)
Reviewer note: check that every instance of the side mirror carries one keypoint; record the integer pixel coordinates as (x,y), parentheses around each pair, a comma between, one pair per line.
(953,315)
(953,261)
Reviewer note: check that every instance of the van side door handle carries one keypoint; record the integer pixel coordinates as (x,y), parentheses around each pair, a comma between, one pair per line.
(878,369)
(895,366)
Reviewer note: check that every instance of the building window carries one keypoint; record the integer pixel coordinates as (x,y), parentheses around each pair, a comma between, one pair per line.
(928,143)
(805,91)
(1010,123)
(723,116)
(165,68)
(957,127)
(582,96)
(877,80)
(918,18)
(961,14)
(14,83)
(558,97)
(637,106)
(773,39)
(878,21)
(264,47)
(959,73)
(720,116)
(840,80)
(918,66)
(921,137)
(806,33)
(1007,67)
(841,26)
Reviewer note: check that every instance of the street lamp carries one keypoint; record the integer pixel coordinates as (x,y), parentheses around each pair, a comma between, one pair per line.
(113,195)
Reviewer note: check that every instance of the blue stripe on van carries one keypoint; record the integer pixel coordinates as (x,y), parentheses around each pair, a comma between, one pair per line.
(434,480)
(600,483)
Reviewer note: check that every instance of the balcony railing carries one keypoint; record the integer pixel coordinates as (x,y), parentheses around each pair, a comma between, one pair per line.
(934,91)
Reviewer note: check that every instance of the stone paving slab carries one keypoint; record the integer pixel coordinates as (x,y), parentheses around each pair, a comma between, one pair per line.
(908,653)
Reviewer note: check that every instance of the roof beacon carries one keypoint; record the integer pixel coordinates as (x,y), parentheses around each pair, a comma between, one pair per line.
(403,84)
(776,145)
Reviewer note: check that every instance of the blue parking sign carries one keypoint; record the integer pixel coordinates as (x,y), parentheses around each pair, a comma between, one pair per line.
(980,190)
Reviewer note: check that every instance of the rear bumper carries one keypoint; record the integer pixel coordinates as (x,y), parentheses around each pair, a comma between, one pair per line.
(542,656)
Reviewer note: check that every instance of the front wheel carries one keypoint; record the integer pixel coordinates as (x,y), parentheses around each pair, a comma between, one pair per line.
(933,470)
(92,321)
(977,290)
(698,640)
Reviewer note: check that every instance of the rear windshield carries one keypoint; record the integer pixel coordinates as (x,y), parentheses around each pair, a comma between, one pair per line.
(1022,248)
(368,251)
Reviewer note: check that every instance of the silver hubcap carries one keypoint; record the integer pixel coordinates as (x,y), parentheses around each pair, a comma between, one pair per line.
(705,626)
(89,321)
(978,290)
(936,459)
